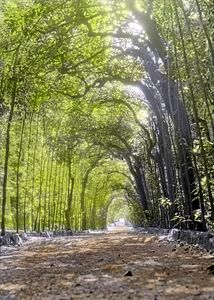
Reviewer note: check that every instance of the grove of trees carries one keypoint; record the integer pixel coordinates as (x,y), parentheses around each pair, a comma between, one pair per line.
(103,100)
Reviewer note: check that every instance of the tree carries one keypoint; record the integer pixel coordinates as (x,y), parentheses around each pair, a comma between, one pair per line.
(90,88)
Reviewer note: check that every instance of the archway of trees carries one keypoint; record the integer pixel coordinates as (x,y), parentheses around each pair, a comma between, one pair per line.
(100,97)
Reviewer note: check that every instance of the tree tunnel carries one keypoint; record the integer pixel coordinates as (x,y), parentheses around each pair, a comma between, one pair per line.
(98,96)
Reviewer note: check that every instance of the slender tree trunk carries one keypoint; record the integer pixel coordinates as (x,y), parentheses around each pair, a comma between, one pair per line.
(37,224)
(7,155)
(83,191)
(27,171)
(82,197)
(45,195)
(17,173)
(70,195)
(61,198)
(33,172)
(54,196)
(58,197)
(49,193)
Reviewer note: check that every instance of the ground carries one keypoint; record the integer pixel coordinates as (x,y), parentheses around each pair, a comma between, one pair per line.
(94,267)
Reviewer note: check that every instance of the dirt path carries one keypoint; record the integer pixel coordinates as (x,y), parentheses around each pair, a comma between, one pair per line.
(93,267)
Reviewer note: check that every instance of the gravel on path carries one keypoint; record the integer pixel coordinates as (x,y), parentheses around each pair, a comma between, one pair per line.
(111,265)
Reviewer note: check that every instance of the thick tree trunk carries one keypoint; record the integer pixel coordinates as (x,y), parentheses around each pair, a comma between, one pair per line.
(136,171)
(175,108)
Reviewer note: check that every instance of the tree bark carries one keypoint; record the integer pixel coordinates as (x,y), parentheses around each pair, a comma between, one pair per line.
(6,160)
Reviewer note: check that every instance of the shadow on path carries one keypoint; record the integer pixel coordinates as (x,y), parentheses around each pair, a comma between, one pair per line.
(93,267)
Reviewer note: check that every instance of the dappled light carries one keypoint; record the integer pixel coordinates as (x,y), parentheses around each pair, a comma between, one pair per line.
(95,268)
(100,99)
(106,142)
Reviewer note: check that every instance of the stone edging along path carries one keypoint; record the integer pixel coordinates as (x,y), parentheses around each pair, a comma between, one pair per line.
(201,239)
(14,239)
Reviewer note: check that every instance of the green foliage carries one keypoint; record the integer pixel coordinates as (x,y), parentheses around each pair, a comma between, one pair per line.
(89,113)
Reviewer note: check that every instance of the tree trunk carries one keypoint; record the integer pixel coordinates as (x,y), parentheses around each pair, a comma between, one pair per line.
(27,171)
(17,173)
(6,160)
(70,196)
